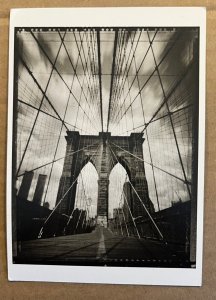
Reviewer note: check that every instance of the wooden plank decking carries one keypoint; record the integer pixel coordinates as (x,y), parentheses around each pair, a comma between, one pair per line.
(101,247)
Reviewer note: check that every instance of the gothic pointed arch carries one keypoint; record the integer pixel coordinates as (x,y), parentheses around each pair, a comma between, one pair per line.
(104,152)
(124,163)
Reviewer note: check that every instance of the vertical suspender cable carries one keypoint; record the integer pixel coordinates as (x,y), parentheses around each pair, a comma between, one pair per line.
(112,76)
(99,75)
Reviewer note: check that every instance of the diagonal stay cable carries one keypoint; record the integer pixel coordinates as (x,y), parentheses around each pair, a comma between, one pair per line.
(170,93)
(129,209)
(50,115)
(112,77)
(118,59)
(128,66)
(74,70)
(146,124)
(144,57)
(55,160)
(113,74)
(127,69)
(86,207)
(91,82)
(168,173)
(85,68)
(41,103)
(94,90)
(170,117)
(99,77)
(82,59)
(84,75)
(59,74)
(60,133)
(84,64)
(148,143)
(149,215)
(43,92)
(155,69)
(60,201)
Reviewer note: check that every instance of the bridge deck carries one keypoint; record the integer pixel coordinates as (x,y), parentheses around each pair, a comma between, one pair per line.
(102,247)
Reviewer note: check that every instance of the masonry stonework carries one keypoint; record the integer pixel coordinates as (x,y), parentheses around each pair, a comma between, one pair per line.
(104,152)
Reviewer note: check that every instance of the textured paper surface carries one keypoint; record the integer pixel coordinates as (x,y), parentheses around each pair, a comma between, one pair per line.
(52,291)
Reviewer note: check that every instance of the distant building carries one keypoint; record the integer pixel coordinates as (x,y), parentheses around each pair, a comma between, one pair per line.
(118,214)
(127,201)
(25,185)
(37,199)
(46,204)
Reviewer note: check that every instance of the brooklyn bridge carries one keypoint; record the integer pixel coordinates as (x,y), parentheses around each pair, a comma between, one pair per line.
(105,146)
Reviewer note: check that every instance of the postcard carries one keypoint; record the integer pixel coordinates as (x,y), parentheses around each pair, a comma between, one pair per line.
(106,137)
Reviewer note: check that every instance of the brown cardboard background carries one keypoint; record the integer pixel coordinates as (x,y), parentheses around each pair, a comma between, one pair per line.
(33,290)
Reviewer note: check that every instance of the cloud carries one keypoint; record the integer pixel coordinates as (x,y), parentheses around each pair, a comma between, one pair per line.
(44,139)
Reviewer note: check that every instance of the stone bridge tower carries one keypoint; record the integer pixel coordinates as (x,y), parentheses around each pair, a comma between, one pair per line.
(104,152)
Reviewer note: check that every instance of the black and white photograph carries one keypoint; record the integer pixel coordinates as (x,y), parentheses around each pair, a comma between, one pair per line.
(104,146)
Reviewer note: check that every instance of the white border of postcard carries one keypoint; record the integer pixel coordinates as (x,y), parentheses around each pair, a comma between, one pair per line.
(86,17)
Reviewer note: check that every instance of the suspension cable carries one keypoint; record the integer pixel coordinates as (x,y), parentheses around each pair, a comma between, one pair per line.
(135,78)
(186,182)
(158,230)
(70,217)
(60,76)
(127,68)
(41,103)
(155,69)
(133,219)
(75,72)
(59,202)
(48,114)
(53,161)
(99,77)
(170,117)
(112,77)
(149,215)
(143,113)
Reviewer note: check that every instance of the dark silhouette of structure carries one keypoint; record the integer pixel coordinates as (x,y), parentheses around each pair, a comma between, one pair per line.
(25,185)
(39,189)
(104,152)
